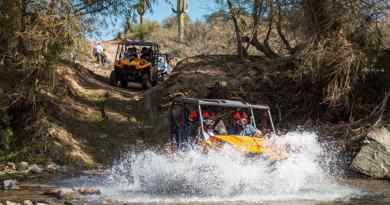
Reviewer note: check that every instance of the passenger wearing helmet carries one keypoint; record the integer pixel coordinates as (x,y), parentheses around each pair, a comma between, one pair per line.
(242,126)
(208,125)
(191,126)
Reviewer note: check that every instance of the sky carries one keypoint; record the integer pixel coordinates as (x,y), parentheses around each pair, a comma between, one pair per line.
(197,9)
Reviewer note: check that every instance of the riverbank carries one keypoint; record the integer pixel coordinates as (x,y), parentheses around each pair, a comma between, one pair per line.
(89,123)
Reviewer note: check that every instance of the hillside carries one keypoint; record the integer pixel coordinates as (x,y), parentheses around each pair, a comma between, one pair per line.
(85,121)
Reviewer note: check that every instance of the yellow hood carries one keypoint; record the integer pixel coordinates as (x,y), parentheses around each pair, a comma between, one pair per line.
(249,145)
(137,63)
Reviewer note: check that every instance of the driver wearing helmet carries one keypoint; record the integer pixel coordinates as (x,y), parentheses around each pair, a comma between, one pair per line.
(209,123)
(242,126)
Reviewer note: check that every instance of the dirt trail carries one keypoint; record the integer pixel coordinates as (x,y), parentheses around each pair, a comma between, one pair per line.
(90,119)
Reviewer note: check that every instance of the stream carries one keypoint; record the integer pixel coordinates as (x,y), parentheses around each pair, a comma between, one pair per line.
(306,177)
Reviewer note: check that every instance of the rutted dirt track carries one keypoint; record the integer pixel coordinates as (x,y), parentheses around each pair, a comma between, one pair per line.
(92,119)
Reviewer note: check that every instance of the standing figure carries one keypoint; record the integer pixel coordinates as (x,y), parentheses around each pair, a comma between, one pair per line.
(100,53)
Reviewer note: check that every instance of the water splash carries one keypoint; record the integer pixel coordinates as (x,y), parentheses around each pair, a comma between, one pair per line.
(228,176)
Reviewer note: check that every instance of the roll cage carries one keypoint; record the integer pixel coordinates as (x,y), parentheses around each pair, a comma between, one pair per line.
(123,45)
(200,103)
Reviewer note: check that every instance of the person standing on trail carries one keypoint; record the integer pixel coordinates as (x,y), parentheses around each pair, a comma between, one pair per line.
(94,52)
(100,53)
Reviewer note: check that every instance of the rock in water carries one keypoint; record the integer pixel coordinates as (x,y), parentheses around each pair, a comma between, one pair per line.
(52,167)
(62,193)
(89,191)
(374,157)
(35,169)
(28,202)
(11,203)
(22,166)
(11,166)
(9,185)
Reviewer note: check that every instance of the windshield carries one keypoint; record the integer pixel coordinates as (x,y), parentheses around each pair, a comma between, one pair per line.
(213,120)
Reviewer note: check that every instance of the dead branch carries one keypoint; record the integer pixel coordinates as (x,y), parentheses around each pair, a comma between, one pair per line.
(279,29)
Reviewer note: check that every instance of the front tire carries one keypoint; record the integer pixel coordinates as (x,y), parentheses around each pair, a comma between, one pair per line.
(113,78)
(124,83)
(146,82)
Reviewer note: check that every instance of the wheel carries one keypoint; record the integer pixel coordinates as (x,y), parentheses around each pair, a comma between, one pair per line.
(124,83)
(155,78)
(113,78)
(146,82)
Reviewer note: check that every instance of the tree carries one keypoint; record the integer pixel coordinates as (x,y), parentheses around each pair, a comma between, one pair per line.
(181,10)
(142,6)
(335,40)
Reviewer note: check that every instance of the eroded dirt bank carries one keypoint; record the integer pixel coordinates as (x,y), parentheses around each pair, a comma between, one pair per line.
(89,123)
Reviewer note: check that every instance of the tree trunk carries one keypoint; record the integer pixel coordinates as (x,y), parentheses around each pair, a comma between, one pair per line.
(240,50)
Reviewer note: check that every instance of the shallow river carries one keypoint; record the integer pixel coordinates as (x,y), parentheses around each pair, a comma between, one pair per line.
(306,177)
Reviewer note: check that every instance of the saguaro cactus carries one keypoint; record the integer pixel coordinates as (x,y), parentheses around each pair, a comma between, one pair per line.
(181,11)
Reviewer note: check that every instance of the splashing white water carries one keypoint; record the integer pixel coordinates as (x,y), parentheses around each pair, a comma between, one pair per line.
(225,176)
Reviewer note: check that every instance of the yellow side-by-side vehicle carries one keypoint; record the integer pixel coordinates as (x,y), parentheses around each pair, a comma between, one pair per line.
(136,61)
(208,123)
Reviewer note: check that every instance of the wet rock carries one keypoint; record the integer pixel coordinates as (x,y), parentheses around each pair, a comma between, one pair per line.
(52,167)
(35,169)
(374,157)
(89,191)
(28,202)
(3,167)
(11,166)
(62,193)
(9,185)
(103,136)
(22,166)
(11,203)
(108,202)
(63,169)
(98,172)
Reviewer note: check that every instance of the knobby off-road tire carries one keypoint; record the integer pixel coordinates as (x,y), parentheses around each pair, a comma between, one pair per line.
(113,78)
(146,81)
(124,83)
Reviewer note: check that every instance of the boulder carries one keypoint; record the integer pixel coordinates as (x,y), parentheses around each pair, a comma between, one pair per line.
(40,203)
(103,136)
(89,191)
(52,167)
(11,166)
(63,169)
(374,157)
(35,169)
(11,203)
(28,202)
(3,167)
(62,193)
(22,166)
(9,185)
